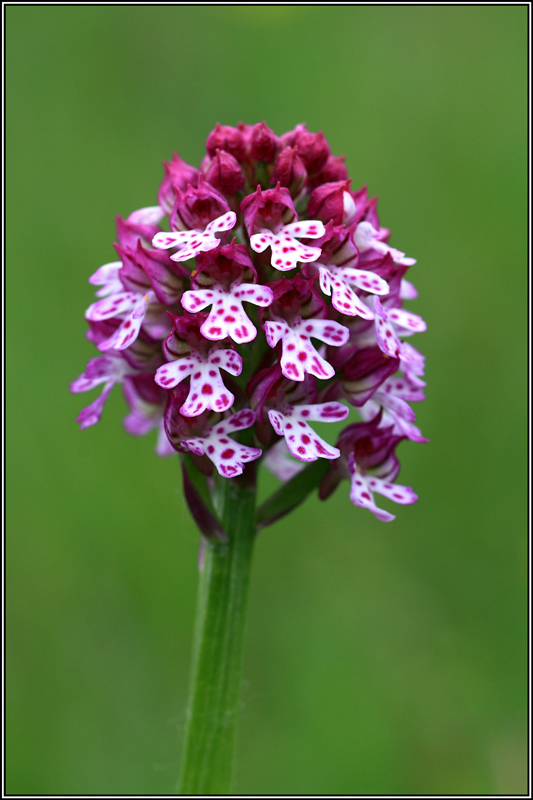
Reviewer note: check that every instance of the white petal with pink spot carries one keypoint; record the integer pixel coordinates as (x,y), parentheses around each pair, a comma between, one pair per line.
(227,317)
(207,388)
(192,242)
(363,486)
(299,355)
(301,439)
(337,280)
(287,251)
(132,305)
(366,237)
(227,455)
(107,278)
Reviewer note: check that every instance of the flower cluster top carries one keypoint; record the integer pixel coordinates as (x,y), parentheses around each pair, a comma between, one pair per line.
(261,293)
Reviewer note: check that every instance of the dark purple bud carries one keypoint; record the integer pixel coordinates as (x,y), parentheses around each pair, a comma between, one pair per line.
(333,170)
(270,209)
(178,174)
(223,137)
(289,170)
(328,203)
(313,149)
(197,207)
(290,138)
(129,233)
(263,143)
(224,173)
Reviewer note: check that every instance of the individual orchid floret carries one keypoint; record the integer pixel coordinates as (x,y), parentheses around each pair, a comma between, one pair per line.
(224,137)
(227,317)
(366,237)
(299,355)
(391,321)
(189,243)
(338,281)
(313,148)
(178,175)
(141,225)
(108,278)
(287,251)
(207,390)
(332,202)
(393,396)
(223,172)
(228,456)
(268,209)
(364,485)
(289,171)
(109,370)
(301,439)
(130,305)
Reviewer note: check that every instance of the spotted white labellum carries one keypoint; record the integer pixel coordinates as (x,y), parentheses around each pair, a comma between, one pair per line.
(363,486)
(366,237)
(299,355)
(286,249)
(227,317)
(339,281)
(227,455)
(207,388)
(301,439)
(192,242)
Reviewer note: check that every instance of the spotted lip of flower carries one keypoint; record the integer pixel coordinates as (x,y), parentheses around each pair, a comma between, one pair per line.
(207,388)
(132,305)
(286,249)
(227,455)
(299,355)
(387,320)
(196,241)
(227,317)
(363,486)
(367,238)
(301,439)
(339,281)
(109,370)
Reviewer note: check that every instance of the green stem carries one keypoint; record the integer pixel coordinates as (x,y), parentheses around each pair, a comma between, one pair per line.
(218,644)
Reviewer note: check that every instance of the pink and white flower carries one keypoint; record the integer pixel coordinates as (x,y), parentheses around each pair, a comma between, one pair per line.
(132,306)
(338,281)
(108,370)
(207,388)
(228,456)
(366,237)
(195,241)
(299,355)
(301,439)
(227,317)
(286,249)
(364,485)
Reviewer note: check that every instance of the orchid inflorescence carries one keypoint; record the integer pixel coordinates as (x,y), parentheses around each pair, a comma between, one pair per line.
(273,297)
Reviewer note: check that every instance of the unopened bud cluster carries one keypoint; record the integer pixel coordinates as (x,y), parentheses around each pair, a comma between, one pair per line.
(260,294)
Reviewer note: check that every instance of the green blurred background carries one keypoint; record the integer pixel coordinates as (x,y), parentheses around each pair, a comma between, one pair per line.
(380,658)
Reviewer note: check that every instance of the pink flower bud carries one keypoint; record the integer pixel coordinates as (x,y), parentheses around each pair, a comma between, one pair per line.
(224,137)
(327,202)
(196,208)
(289,170)
(313,149)
(263,143)
(178,174)
(224,173)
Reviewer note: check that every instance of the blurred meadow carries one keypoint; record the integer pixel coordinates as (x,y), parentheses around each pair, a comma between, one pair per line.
(380,658)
